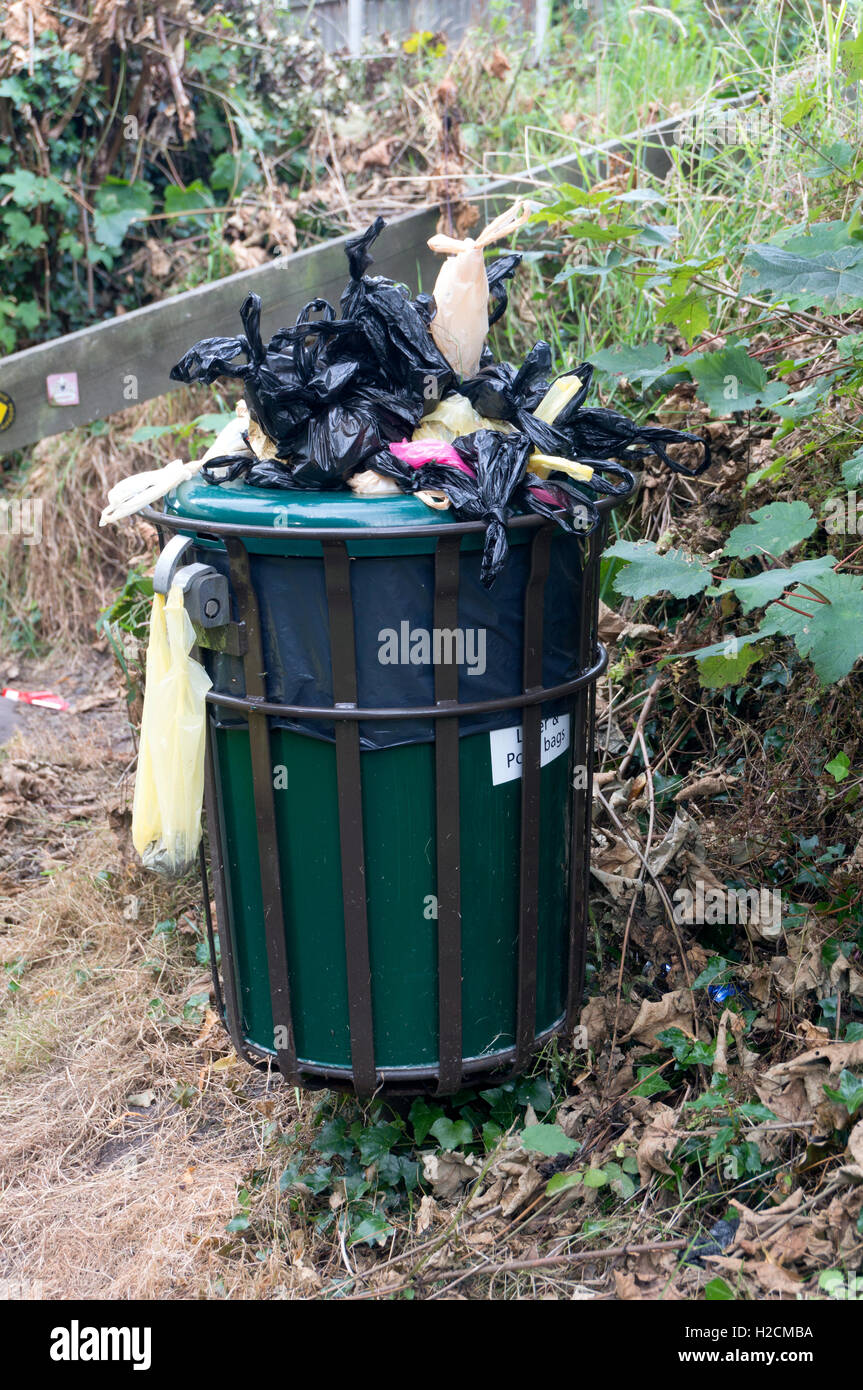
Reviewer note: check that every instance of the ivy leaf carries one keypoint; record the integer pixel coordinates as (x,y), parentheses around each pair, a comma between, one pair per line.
(821,269)
(732,380)
(28,189)
(189,199)
(831,634)
(116,206)
(712,971)
(561,1181)
(233,171)
(375,1140)
(422,1116)
(372,1230)
(838,767)
(778,527)
(729,667)
(333,1139)
(452,1134)
(22,230)
(648,573)
(761,589)
(849,1092)
(547,1139)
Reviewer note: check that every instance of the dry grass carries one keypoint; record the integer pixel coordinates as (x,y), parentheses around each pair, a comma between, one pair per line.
(53,591)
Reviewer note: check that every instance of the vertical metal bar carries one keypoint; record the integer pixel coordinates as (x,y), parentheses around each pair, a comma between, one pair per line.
(230,1004)
(583,720)
(448,824)
(265,813)
(337,577)
(531,740)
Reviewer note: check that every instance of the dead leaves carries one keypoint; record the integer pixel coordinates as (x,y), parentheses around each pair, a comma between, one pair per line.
(794,1090)
(657,1144)
(673,1010)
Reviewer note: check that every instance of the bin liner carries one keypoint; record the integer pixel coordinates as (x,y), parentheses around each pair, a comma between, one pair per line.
(393,598)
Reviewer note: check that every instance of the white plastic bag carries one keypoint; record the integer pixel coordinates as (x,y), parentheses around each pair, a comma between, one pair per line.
(169,786)
(460,324)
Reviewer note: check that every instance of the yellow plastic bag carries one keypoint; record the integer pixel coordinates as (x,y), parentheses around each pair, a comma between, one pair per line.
(169,786)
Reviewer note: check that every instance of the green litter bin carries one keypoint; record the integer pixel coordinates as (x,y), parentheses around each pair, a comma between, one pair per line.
(398,782)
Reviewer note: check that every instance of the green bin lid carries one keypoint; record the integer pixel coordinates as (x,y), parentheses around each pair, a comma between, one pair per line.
(238,503)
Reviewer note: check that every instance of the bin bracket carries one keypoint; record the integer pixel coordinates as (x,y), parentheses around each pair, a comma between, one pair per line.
(206,596)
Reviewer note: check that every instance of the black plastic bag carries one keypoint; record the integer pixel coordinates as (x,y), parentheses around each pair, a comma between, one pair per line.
(392,327)
(499,392)
(324,418)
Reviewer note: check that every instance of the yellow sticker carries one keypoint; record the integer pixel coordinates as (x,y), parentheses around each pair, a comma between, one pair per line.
(7,410)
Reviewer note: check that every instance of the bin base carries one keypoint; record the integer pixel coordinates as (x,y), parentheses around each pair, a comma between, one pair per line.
(490,1070)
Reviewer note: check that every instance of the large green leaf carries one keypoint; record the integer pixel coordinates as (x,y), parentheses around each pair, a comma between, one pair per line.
(116,206)
(762,589)
(648,573)
(732,380)
(822,268)
(714,672)
(687,312)
(830,634)
(852,469)
(778,527)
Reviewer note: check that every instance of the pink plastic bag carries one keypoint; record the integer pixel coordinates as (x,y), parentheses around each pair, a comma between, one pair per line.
(420,451)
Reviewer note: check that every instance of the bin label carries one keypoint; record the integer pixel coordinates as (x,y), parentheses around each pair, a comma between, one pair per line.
(506,747)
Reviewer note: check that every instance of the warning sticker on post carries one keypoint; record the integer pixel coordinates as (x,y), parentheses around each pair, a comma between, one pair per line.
(507,749)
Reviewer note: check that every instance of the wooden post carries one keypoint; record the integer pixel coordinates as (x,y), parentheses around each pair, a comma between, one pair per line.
(356,26)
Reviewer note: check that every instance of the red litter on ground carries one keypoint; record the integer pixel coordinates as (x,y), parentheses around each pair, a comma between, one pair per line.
(46,698)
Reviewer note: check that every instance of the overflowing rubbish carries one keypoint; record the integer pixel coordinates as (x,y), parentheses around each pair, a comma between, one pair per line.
(399,394)
(169,785)
(44,698)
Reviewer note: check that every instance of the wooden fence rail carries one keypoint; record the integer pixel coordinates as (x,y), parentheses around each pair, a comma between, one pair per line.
(127,359)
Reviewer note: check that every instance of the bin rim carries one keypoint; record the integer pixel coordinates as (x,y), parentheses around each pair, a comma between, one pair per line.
(433,527)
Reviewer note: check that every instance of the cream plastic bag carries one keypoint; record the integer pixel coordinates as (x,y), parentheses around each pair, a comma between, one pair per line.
(140,489)
(460,324)
(169,786)
(453,417)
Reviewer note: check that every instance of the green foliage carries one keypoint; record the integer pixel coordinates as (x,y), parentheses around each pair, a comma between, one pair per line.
(849,1092)
(118,205)
(758,590)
